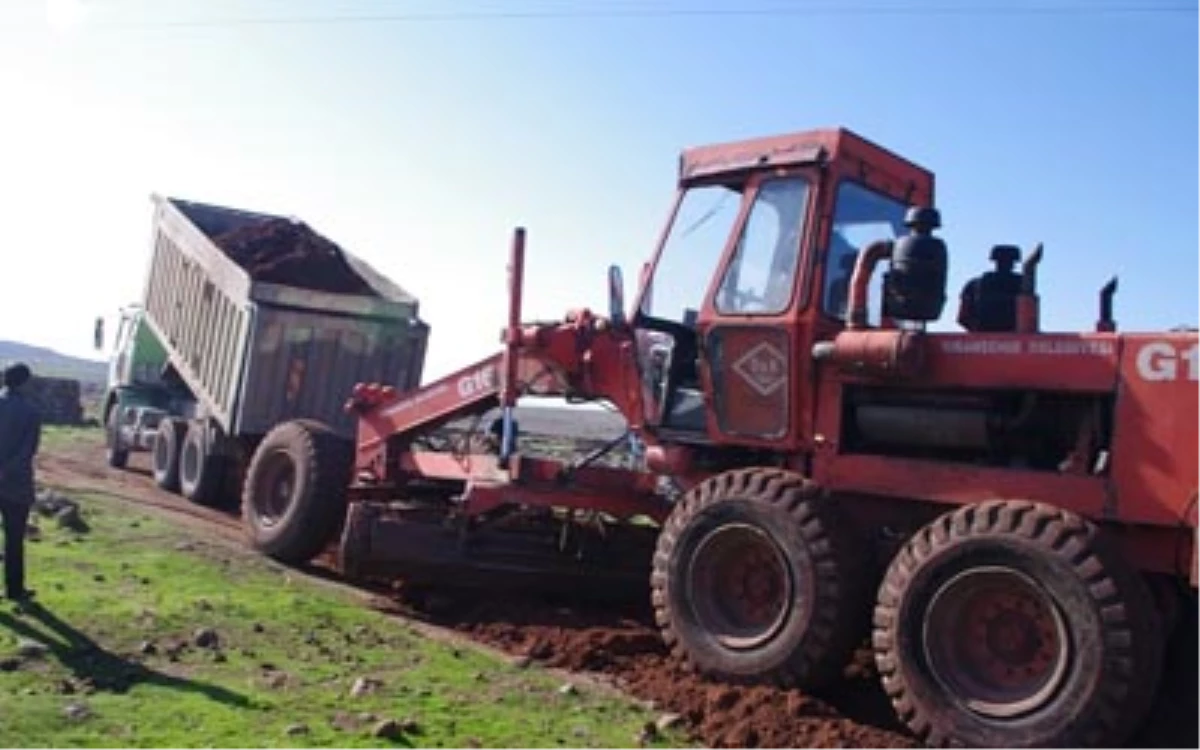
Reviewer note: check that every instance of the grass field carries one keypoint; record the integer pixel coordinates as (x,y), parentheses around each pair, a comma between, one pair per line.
(146,636)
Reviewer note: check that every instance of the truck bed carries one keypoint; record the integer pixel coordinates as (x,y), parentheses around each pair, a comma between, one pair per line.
(266,320)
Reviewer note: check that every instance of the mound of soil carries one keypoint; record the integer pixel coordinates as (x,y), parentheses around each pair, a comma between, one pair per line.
(622,644)
(279,251)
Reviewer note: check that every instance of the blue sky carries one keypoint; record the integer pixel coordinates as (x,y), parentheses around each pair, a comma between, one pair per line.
(419,144)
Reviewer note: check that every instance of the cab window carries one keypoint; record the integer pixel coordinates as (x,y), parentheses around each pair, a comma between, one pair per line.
(861,216)
(697,238)
(762,274)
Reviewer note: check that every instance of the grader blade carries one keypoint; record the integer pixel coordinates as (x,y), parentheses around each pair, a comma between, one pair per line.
(423,547)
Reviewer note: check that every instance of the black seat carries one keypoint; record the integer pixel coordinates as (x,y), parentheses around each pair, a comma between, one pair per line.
(996,301)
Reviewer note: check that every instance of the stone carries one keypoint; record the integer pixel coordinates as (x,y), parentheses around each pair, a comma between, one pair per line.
(388,729)
(364,686)
(77,711)
(206,638)
(295,730)
(667,722)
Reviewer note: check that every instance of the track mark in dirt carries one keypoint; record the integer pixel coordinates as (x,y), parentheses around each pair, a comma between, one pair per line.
(622,645)
(82,468)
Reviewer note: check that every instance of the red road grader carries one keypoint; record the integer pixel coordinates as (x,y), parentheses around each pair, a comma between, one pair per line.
(1009,513)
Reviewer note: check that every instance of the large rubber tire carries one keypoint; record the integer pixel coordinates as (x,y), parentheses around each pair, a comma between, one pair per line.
(760,531)
(165,458)
(1015,624)
(200,471)
(293,499)
(116,457)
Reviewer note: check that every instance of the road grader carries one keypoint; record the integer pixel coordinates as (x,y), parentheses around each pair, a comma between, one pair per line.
(1009,514)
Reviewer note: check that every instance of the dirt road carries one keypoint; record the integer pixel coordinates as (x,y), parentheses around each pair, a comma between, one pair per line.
(622,647)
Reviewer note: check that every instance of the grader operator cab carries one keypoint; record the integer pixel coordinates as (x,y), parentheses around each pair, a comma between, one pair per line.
(1009,514)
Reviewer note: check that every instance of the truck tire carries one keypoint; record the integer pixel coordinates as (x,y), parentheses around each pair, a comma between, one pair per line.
(166,454)
(293,499)
(755,580)
(1014,624)
(116,456)
(199,468)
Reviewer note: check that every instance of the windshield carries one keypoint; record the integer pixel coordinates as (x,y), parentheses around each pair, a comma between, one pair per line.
(693,248)
(861,216)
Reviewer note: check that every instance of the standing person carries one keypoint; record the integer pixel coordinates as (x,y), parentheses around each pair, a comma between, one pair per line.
(20,436)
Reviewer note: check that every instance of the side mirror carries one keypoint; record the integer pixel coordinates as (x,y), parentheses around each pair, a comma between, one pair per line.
(616,296)
(98,334)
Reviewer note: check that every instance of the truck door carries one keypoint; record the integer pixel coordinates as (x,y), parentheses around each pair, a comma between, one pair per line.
(747,325)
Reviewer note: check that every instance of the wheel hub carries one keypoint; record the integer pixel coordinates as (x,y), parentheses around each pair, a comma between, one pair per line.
(273,493)
(994,638)
(740,586)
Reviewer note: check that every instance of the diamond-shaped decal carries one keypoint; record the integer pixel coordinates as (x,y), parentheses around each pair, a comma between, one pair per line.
(763,368)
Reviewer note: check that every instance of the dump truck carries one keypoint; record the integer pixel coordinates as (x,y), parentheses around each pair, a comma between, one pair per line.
(1006,514)
(246,320)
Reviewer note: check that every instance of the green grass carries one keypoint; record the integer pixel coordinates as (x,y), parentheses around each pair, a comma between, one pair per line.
(133,578)
(56,437)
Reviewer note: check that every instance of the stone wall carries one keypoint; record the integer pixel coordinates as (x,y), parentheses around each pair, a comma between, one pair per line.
(58,398)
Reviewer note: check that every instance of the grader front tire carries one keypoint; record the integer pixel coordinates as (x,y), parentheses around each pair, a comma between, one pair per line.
(755,579)
(1014,624)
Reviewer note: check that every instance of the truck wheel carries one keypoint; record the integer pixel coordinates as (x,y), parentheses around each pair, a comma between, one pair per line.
(166,454)
(754,579)
(116,456)
(293,499)
(199,469)
(1014,624)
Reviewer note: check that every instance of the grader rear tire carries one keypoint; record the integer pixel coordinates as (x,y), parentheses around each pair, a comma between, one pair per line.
(1014,624)
(755,580)
(293,497)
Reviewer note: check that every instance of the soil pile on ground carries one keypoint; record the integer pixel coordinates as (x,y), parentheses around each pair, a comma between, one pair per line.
(279,251)
(622,644)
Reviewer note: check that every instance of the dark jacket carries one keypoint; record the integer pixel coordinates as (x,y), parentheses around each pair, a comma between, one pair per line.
(20,436)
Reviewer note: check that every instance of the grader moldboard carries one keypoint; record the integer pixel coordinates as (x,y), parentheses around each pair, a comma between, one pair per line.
(1027,498)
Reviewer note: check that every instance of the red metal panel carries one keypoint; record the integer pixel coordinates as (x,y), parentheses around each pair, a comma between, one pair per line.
(1154,463)
(947,483)
(1068,361)
(752,377)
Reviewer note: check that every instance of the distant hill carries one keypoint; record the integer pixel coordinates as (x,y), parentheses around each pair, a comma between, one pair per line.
(50,363)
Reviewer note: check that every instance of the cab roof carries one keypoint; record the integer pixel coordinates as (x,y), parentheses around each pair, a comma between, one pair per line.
(820,146)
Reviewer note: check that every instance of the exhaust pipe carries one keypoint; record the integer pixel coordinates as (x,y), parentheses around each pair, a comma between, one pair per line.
(860,281)
(1106,324)
(1028,314)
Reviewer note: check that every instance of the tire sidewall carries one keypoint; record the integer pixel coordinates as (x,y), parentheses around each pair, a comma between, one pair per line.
(115,455)
(167,439)
(782,530)
(268,536)
(192,443)
(204,486)
(1081,618)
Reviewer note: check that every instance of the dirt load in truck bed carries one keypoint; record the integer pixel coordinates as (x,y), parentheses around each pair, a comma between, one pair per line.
(280,251)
